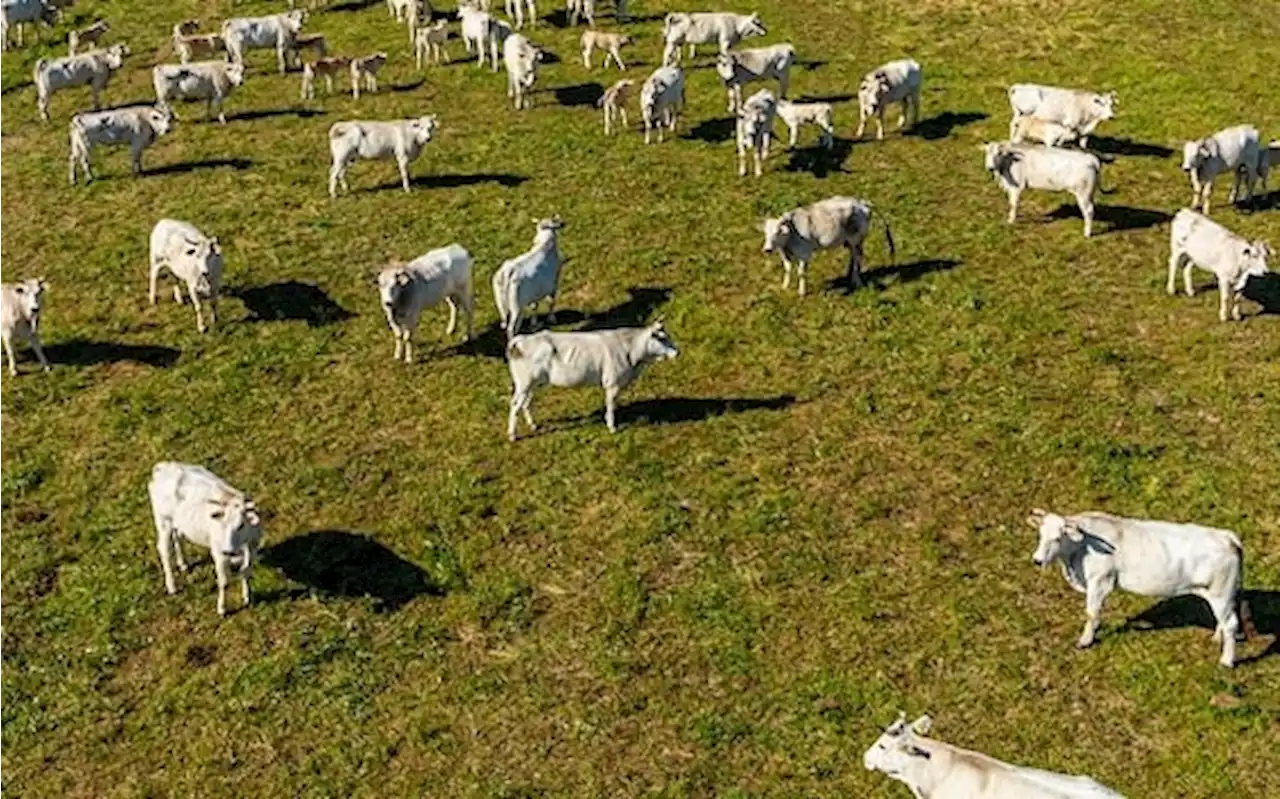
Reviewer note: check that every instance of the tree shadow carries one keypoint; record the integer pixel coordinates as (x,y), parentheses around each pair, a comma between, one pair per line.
(407,87)
(454,181)
(354,565)
(83,352)
(1265,291)
(291,301)
(1110,146)
(238,164)
(712,130)
(820,161)
(1117,217)
(826,98)
(1190,611)
(581,94)
(300,113)
(940,126)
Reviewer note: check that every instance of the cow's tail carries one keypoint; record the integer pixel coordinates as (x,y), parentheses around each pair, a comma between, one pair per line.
(1242,605)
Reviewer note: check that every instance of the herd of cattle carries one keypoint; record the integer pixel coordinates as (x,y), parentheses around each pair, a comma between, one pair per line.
(1097,552)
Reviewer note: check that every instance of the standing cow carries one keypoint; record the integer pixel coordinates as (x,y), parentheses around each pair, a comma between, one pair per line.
(92,69)
(1018,167)
(275,32)
(1197,240)
(1236,151)
(895,82)
(720,28)
(192,258)
(211,81)
(20,318)
(833,222)
(402,140)
(407,289)
(1079,111)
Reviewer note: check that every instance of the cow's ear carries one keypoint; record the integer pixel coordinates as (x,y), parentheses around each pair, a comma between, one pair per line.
(213,244)
(922,725)
(1073,531)
(1036,517)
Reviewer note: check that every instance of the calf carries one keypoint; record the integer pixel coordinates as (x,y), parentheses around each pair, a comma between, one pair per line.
(406,289)
(1234,150)
(521,58)
(190,502)
(1099,552)
(137,126)
(1049,133)
(366,70)
(739,67)
(835,221)
(193,259)
(514,10)
(614,102)
(20,12)
(187,44)
(529,278)
(87,36)
(754,129)
(211,81)
(325,68)
(610,43)
(1018,167)
(92,69)
(429,42)
(315,42)
(277,31)
(722,28)
(799,114)
(20,317)
(895,82)
(1196,240)
(611,359)
(402,140)
(661,99)
(1080,111)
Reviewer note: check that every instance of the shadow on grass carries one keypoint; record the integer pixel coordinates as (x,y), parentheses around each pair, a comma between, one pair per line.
(17,87)
(83,352)
(820,161)
(905,273)
(1265,202)
(1191,611)
(1265,291)
(712,130)
(940,126)
(1117,217)
(454,181)
(300,113)
(1110,146)
(581,94)
(353,5)
(826,98)
(347,564)
(678,410)
(238,164)
(407,87)
(291,301)
(810,66)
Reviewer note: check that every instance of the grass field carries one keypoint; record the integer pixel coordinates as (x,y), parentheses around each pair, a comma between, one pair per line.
(811,519)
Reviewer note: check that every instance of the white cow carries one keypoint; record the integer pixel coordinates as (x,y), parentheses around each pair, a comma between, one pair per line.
(936,770)
(722,28)
(137,126)
(661,99)
(530,277)
(401,139)
(514,10)
(192,503)
(20,317)
(276,32)
(407,289)
(895,82)
(737,68)
(193,259)
(797,115)
(90,35)
(1234,150)
(611,359)
(1018,167)
(211,81)
(754,129)
(1099,552)
(482,33)
(92,69)
(521,58)
(1080,111)
(187,44)
(17,13)
(833,222)
(1197,240)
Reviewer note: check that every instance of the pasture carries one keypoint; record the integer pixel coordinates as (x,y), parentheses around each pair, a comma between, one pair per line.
(811,519)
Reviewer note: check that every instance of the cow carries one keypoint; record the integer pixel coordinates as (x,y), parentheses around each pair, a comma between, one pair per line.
(365,70)
(1233,150)
(327,68)
(530,277)
(796,115)
(407,289)
(92,69)
(137,126)
(1099,552)
(1197,240)
(754,129)
(193,258)
(609,43)
(429,42)
(211,81)
(401,139)
(91,35)
(191,503)
(276,31)
(835,221)
(611,359)
(482,32)
(737,68)
(514,10)
(661,99)
(20,318)
(722,28)
(894,82)
(614,102)
(187,44)
(937,770)
(1018,167)
(1080,111)
(20,12)
(521,58)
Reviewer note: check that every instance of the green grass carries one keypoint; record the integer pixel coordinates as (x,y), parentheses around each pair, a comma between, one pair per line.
(810,520)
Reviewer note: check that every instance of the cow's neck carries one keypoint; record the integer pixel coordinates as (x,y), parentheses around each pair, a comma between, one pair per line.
(926,773)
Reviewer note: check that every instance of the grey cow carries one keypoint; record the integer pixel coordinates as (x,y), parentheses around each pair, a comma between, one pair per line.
(833,222)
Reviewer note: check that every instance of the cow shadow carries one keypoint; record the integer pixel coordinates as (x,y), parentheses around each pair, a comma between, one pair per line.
(1190,611)
(712,131)
(455,181)
(940,126)
(1264,290)
(491,342)
(407,87)
(1116,217)
(820,161)
(238,164)
(904,273)
(1265,202)
(1110,146)
(352,5)
(679,410)
(549,57)
(634,311)
(826,98)
(291,301)
(17,87)
(810,66)
(300,113)
(84,352)
(352,565)
(582,94)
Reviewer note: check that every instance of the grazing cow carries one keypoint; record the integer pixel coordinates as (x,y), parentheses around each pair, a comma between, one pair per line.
(326,68)
(938,770)
(406,289)
(137,126)
(401,139)
(661,99)
(92,69)
(276,31)
(20,317)
(1196,240)
(1043,131)
(187,44)
(429,42)
(1080,111)
(1099,552)
(895,82)
(366,70)
(1018,167)
(530,278)
(835,221)
(796,115)
(211,81)
(521,58)
(611,359)
(610,43)
(20,12)
(1234,150)
(614,102)
(87,36)
(482,32)
(724,29)
(190,502)
(739,67)
(755,129)
(513,9)
(193,259)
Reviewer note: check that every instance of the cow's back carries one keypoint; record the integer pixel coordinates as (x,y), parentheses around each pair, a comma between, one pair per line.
(836,219)
(1055,168)
(1199,237)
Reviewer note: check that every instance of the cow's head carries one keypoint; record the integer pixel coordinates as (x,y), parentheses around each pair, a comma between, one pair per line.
(423,128)
(898,749)
(624,39)
(752,26)
(161,120)
(205,257)
(1057,536)
(238,516)
(1253,262)
(872,90)
(1104,105)
(997,156)
(726,65)
(549,224)
(778,232)
(1197,153)
(115,55)
(658,346)
(235,73)
(29,293)
(188,26)
(296,18)
(392,283)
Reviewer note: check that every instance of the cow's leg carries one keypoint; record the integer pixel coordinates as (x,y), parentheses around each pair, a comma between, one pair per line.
(468,307)
(280,59)
(213,310)
(221,567)
(195,300)
(1223,605)
(1206,192)
(135,158)
(756,157)
(1086,210)
(742,157)
(177,554)
(453,316)
(13,362)
(96,90)
(1188,284)
(520,399)
(610,407)
(1097,592)
(802,270)
(1175,260)
(622,114)
(399,337)
(1014,194)
(1225,295)
(164,546)
(177,294)
(406,333)
(617,59)
(246,571)
(403,164)
(902,112)
(786,273)
(44,362)
(586,54)
(880,123)
(862,123)
(768,139)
